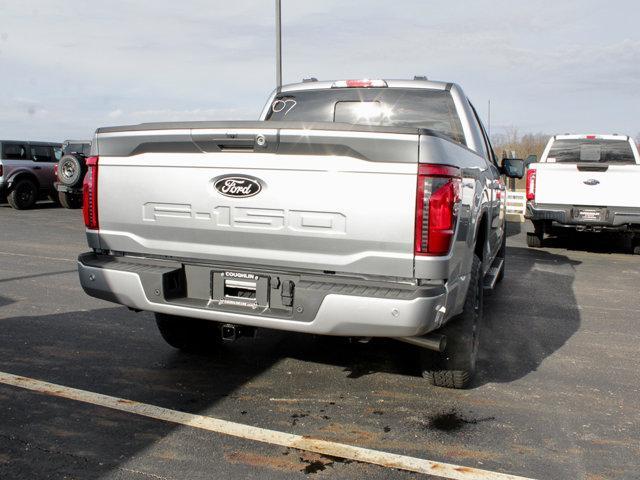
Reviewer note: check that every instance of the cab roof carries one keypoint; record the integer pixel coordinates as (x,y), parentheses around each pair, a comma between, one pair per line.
(591,136)
(390,83)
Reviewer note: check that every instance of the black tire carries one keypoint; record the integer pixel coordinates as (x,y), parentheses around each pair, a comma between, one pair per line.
(454,368)
(71,170)
(23,195)
(55,198)
(534,240)
(70,200)
(188,334)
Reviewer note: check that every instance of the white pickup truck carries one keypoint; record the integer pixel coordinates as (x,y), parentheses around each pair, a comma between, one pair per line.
(587,183)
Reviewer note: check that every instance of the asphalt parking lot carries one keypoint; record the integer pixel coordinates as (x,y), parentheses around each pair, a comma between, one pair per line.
(556,396)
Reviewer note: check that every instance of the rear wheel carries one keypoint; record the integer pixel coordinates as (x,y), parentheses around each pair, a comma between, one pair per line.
(23,195)
(70,200)
(54,197)
(636,244)
(535,239)
(455,367)
(188,334)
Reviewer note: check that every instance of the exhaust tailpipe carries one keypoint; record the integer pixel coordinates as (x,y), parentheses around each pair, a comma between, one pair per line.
(431,341)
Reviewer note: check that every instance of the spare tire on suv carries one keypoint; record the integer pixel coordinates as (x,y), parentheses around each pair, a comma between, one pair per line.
(71,170)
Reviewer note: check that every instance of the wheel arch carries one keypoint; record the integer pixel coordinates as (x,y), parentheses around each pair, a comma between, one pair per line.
(481,235)
(20,175)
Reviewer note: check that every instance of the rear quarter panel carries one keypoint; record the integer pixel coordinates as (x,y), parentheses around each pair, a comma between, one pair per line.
(455,267)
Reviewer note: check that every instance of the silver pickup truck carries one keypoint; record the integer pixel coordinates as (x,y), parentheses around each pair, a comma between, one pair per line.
(360,208)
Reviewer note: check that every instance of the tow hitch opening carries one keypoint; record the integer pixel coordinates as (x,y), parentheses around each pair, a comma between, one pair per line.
(230,332)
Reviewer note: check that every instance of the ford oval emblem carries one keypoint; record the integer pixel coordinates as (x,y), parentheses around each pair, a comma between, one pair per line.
(591,181)
(238,186)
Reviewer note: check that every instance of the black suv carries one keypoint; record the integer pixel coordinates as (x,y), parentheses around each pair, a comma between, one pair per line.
(70,172)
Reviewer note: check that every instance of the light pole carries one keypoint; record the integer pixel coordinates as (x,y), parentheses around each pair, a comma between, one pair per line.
(489,120)
(278,45)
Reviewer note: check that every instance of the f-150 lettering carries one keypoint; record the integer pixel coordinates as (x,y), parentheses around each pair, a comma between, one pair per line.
(248,217)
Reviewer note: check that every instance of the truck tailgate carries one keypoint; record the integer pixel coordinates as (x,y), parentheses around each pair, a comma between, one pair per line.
(565,184)
(339,209)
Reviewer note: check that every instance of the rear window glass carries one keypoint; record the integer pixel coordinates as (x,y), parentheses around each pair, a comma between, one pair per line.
(73,148)
(42,154)
(386,107)
(585,150)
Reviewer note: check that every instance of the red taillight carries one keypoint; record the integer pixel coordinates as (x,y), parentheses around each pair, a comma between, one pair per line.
(90,194)
(591,137)
(55,171)
(0,170)
(437,201)
(531,184)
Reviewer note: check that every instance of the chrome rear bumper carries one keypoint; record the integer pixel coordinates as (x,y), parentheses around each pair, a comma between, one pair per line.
(367,310)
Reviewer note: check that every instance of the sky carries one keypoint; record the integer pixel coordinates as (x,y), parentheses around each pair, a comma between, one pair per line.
(68,67)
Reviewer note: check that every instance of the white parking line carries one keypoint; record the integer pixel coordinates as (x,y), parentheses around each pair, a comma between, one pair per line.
(60,259)
(273,437)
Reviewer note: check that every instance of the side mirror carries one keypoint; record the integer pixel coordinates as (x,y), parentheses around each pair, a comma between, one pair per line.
(530,159)
(513,167)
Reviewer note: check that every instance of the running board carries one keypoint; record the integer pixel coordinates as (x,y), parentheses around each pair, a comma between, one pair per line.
(491,277)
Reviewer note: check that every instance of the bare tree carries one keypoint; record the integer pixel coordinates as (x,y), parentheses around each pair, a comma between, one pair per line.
(522,145)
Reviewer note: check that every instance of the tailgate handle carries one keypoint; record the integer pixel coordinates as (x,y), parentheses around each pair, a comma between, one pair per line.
(234,142)
(592,168)
(240,145)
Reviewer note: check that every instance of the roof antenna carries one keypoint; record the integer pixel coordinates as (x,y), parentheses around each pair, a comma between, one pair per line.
(278,45)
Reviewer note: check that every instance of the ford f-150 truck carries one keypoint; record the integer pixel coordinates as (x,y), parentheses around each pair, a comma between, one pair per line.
(359,208)
(585,183)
